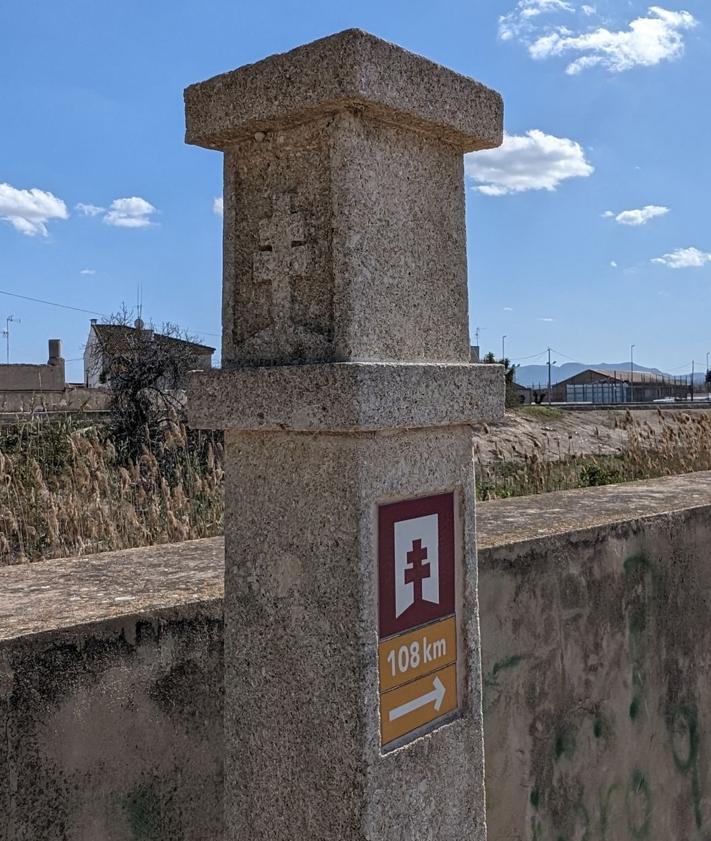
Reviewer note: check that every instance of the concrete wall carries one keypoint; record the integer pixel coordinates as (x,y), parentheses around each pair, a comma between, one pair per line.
(111,729)
(71,399)
(596,663)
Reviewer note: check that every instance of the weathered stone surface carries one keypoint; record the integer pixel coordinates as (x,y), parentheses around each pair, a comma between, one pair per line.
(302,729)
(344,245)
(344,239)
(345,397)
(352,69)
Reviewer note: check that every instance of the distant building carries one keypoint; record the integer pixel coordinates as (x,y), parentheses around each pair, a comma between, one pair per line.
(522,394)
(27,387)
(604,387)
(36,378)
(107,340)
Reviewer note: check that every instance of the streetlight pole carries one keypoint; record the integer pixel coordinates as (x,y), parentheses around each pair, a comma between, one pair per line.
(503,348)
(693,371)
(549,376)
(708,379)
(632,347)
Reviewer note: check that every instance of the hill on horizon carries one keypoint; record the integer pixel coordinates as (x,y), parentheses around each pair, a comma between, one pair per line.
(535,375)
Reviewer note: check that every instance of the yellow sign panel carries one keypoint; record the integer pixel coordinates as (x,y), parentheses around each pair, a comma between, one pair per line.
(417,703)
(416,653)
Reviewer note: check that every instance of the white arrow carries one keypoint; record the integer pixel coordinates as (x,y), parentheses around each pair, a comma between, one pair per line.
(436,697)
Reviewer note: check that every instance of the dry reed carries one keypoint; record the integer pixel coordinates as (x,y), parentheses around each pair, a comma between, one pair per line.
(680,443)
(63,491)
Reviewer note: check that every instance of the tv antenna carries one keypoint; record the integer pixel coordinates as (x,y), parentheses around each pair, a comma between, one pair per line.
(6,333)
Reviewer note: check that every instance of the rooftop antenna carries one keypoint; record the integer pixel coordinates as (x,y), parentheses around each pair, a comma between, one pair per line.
(6,334)
(139,300)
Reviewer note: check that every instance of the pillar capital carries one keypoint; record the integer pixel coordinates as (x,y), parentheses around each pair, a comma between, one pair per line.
(344,236)
(351,70)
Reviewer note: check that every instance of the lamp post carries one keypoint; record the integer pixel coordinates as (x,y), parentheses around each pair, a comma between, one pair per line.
(503,348)
(632,347)
(549,376)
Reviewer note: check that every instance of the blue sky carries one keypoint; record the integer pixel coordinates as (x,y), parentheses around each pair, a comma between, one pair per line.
(588,230)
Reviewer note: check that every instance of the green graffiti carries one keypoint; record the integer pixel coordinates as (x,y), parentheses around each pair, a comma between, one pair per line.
(637,570)
(143,811)
(565,744)
(638,805)
(684,729)
(492,690)
(605,797)
(508,663)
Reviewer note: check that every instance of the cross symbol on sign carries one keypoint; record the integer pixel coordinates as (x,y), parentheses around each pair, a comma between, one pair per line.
(416,571)
(282,256)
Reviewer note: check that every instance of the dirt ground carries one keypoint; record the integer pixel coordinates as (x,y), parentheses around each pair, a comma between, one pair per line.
(558,433)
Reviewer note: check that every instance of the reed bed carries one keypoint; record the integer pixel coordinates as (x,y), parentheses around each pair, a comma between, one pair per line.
(680,443)
(64,491)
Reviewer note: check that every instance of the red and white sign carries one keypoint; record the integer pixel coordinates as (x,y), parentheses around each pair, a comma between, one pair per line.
(416,562)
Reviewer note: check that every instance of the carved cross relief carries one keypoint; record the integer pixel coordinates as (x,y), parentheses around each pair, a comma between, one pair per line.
(283,257)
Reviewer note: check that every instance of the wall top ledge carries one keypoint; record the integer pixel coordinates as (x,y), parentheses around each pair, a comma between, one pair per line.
(351,69)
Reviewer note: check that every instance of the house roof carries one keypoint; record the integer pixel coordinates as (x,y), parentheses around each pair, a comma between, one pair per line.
(620,376)
(115,336)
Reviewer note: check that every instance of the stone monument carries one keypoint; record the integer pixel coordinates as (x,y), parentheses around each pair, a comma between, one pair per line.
(353,685)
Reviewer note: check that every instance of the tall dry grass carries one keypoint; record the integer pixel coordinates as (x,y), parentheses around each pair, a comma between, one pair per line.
(64,491)
(679,443)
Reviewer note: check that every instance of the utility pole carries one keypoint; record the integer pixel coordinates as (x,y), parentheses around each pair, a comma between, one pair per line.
(6,334)
(503,348)
(632,347)
(550,385)
(708,379)
(692,379)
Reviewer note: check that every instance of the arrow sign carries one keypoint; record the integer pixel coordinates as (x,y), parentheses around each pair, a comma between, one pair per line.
(436,696)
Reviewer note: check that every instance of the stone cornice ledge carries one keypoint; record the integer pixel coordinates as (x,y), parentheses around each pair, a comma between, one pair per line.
(347,396)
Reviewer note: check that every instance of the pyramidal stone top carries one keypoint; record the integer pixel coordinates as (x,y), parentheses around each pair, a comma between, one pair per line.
(352,69)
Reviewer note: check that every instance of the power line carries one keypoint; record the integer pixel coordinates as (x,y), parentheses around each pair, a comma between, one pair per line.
(51,303)
(532,356)
(78,309)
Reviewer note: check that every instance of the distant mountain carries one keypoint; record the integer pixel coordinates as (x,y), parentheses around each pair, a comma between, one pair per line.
(535,375)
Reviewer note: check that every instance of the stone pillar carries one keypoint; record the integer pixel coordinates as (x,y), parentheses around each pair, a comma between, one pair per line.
(353,686)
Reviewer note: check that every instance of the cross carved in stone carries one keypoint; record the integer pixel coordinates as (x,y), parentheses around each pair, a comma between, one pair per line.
(283,256)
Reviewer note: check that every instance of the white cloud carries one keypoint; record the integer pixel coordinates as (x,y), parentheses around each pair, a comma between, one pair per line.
(647,41)
(684,258)
(534,161)
(613,264)
(87,271)
(218,207)
(133,212)
(546,319)
(28,211)
(520,22)
(508,309)
(88,209)
(637,217)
